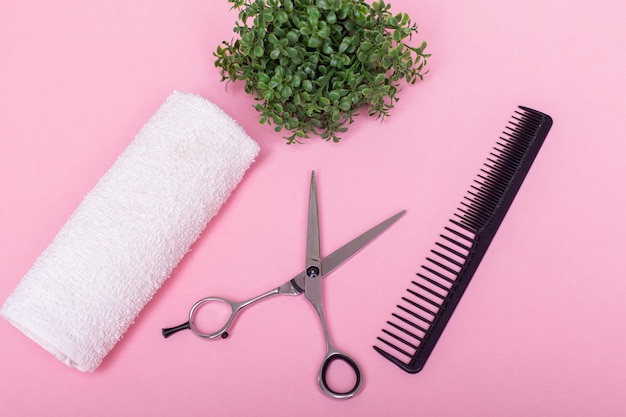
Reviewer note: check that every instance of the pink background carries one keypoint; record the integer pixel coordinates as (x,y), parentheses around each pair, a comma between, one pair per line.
(539,332)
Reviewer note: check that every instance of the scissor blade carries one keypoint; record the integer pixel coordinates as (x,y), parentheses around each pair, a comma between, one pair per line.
(313,266)
(313,255)
(338,257)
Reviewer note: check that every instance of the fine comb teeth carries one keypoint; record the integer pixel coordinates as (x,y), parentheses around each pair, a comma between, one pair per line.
(412,332)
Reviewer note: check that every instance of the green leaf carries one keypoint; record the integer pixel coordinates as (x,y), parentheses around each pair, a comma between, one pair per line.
(286,92)
(282,17)
(324,32)
(331,18)
(345,43)
(345,104)
(314,42)
(313,12)
(292,37)
(322,4)
(267,16)
(264,78)
(291,52)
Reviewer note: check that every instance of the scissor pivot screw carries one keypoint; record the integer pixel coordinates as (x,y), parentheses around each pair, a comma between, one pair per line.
(312,271)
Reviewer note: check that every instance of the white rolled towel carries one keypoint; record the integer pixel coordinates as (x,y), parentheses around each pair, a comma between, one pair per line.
(130,231)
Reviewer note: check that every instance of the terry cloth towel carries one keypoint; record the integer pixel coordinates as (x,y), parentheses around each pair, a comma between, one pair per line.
(130,231)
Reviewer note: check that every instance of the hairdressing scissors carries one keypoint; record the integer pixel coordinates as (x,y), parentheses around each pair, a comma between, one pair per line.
(307,282)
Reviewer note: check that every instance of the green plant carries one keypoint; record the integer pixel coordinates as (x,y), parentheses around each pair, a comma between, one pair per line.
(311,64)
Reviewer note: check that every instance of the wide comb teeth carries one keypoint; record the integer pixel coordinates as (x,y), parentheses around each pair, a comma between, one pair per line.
(414,328)
(423,305)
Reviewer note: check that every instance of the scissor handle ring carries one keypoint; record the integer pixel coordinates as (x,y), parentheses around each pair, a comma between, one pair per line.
(331,357)
(222,331)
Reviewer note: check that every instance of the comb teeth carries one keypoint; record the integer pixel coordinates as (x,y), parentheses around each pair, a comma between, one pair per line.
(414,328)
(501,168)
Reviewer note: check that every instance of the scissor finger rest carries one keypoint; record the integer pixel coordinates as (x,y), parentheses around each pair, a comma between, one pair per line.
(330,358)
(167,332)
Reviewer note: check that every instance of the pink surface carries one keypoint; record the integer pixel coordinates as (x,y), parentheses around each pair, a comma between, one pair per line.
(540,330)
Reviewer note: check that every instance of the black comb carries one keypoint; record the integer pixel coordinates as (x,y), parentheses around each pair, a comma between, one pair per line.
(411,334)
